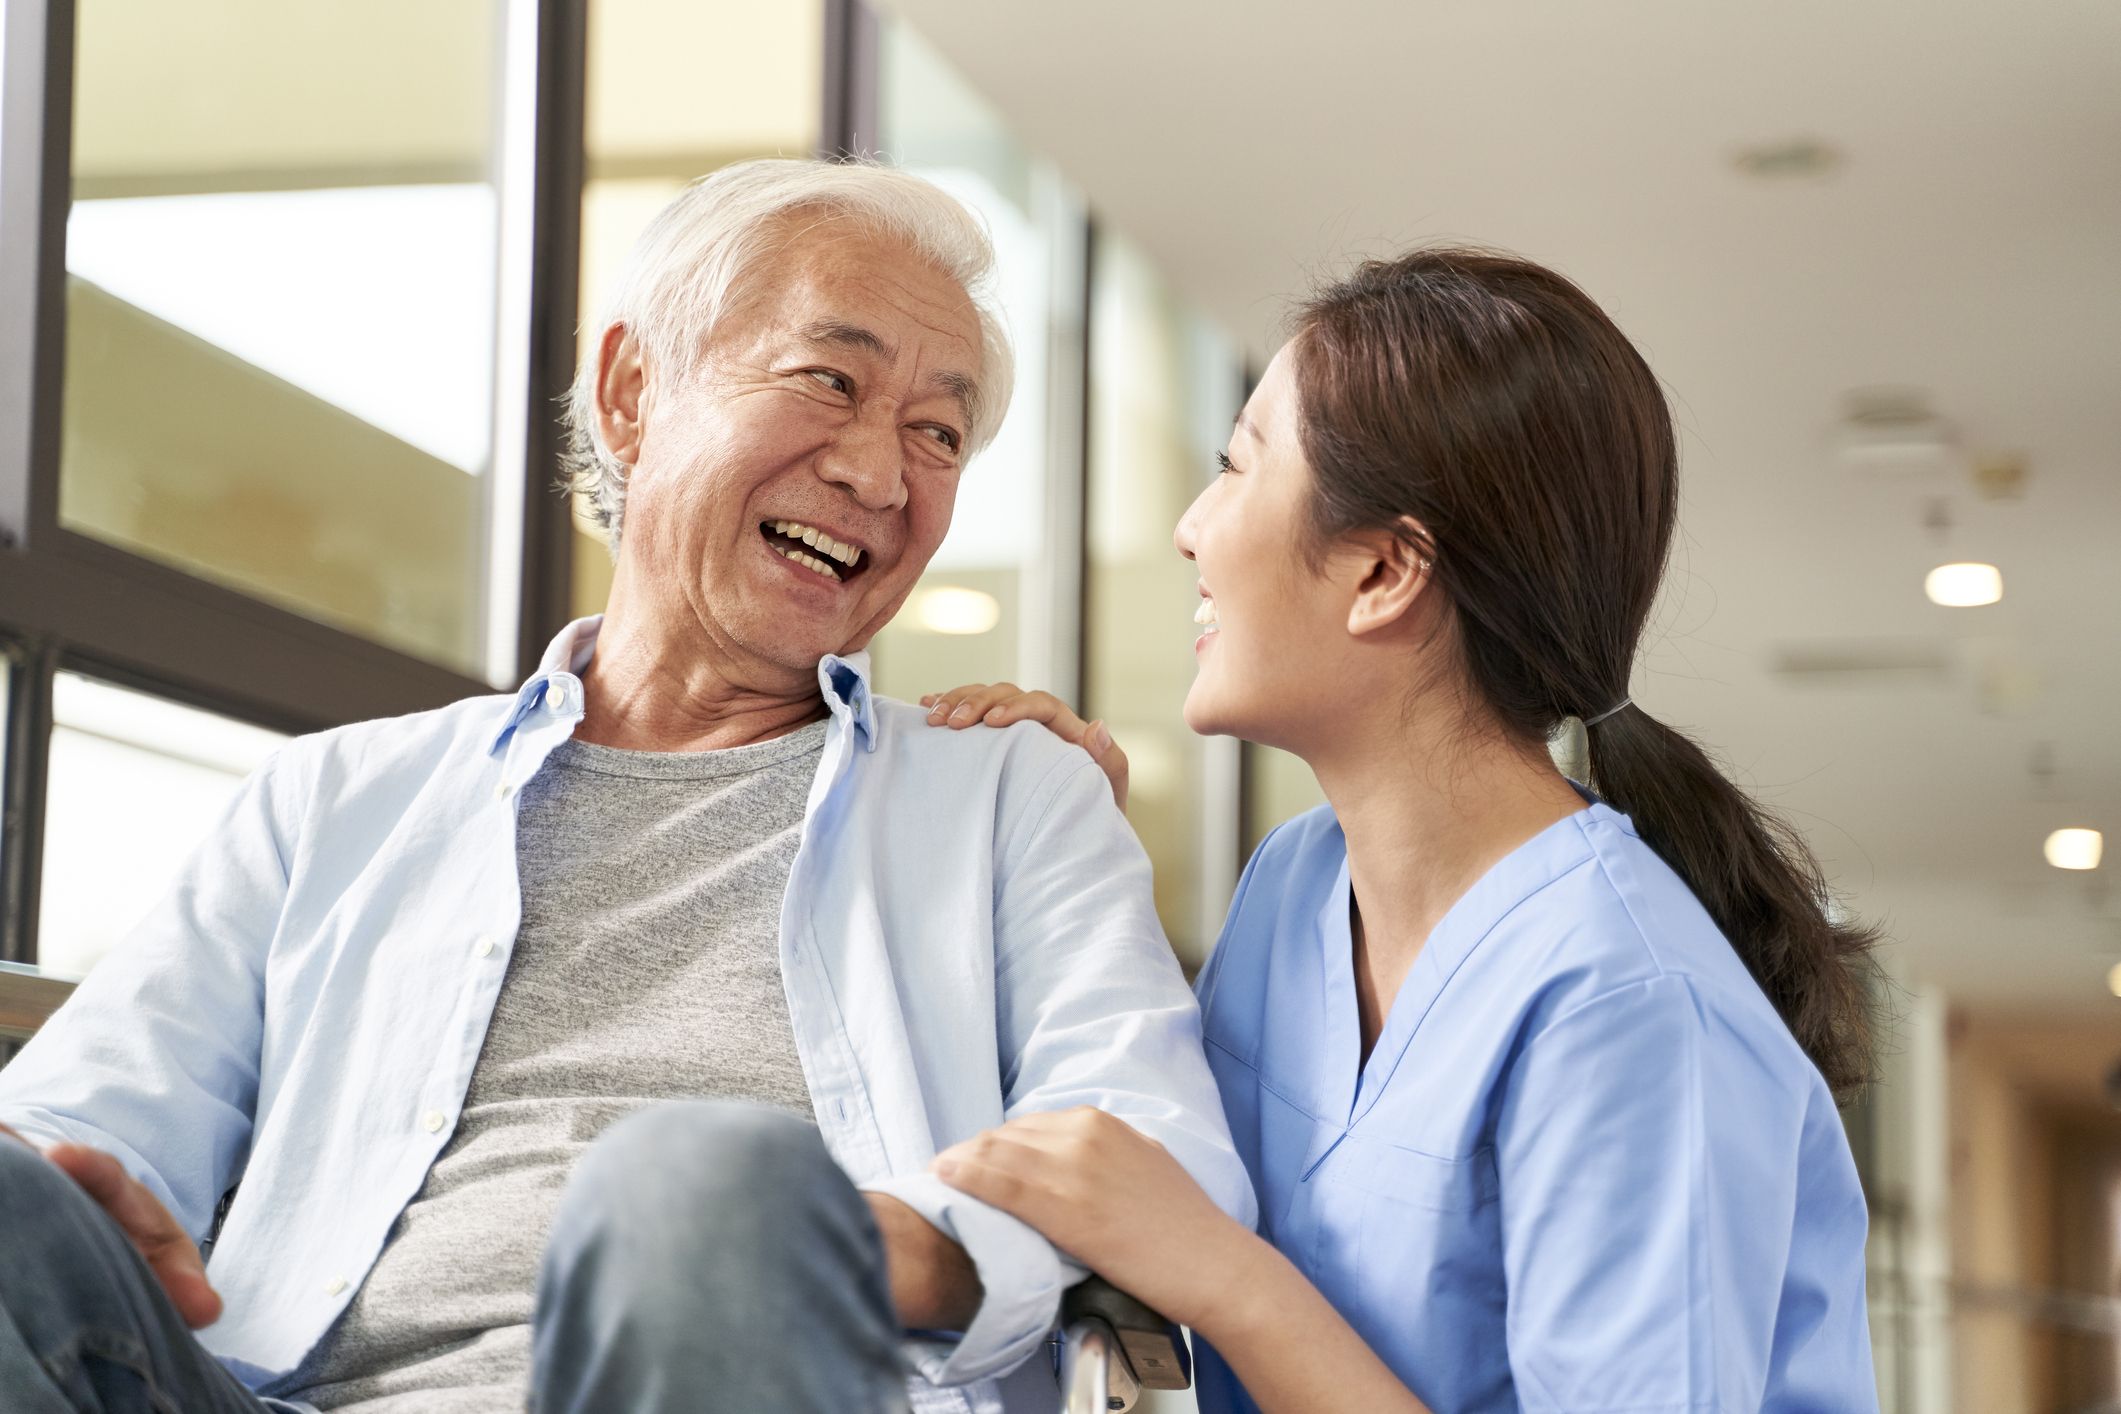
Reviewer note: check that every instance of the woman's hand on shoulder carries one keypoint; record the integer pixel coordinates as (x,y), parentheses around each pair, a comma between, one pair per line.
(1110,1197)
(999,704)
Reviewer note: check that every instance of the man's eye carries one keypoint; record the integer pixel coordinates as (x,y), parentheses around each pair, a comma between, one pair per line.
(837,382)
(944,435)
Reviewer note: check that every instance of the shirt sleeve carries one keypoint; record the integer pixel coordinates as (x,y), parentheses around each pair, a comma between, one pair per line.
(1648,1164)
(154,1059)
(1091,1009)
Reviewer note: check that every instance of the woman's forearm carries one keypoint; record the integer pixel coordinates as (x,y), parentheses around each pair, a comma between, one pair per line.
(1291,1348)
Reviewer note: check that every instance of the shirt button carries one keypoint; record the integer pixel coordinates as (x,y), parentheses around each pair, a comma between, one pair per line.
(433,1120)
(561,693)
(503,791)
(484,946)
(335,1286)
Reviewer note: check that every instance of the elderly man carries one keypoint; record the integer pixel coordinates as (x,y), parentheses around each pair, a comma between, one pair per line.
(591,1045)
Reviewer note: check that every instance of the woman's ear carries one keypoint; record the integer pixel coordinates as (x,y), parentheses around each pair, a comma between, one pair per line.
(1394,566)
(620,381)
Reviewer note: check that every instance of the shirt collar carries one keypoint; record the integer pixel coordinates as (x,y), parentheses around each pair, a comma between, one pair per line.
(842,681)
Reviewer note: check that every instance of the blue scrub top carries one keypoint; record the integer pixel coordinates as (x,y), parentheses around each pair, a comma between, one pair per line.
(1586,1167)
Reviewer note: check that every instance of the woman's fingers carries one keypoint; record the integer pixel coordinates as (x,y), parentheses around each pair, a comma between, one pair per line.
(159,1239)
(1113,761)
(962,706)
(1004,704)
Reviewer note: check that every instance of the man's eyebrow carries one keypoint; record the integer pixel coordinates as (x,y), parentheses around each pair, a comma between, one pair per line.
(965,390)
(959,386)
(852,336)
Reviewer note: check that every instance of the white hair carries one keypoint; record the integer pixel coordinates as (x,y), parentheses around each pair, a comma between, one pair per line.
(686,269)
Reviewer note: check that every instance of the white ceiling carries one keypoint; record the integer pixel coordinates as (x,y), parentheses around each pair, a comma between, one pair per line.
(1968,245)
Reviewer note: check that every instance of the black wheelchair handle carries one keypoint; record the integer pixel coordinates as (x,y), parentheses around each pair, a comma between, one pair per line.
(1151,1343)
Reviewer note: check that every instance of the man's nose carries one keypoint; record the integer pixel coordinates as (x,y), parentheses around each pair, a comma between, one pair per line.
(866,459)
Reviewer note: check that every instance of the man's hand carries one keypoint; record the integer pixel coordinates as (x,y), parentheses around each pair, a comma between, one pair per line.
(934,1286)
(140,1215)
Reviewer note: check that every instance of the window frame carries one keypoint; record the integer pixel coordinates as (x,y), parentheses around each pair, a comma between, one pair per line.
(69,600)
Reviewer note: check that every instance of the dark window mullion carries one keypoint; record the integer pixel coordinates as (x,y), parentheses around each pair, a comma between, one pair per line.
(29,667)
(548,526)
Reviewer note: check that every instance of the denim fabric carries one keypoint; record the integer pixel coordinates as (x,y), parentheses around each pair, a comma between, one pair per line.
(84,1325)
(707,1255)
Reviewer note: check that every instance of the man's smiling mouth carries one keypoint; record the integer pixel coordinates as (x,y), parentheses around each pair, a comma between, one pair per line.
(813,549)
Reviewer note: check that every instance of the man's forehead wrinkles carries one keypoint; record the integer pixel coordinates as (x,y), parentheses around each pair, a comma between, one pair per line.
(848,335)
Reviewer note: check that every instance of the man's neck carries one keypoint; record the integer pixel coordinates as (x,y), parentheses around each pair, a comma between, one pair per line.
(641,695)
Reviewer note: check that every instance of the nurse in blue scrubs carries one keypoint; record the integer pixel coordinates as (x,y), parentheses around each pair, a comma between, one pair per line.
(1537,1081)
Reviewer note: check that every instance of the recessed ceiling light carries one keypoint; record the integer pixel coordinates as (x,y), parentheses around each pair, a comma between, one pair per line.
(1964,586)
(945,608)
(2075,849)
(1797,157)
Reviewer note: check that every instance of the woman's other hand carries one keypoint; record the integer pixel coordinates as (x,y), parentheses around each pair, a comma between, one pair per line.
(999,704)
(1114,1200)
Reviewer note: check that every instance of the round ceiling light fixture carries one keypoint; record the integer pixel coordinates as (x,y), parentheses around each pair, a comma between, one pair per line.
(2074,848)
(946,608)
(1964,586)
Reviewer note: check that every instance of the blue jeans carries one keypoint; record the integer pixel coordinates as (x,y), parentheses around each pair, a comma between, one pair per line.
(706,1255)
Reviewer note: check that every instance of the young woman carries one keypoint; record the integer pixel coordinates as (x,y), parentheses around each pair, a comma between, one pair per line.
(1537,1085)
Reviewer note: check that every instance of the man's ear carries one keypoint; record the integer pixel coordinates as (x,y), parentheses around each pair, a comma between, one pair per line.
(621,378)
(1394,569)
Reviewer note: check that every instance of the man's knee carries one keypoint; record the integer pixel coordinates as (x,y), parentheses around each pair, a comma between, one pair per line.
(681,1181)
(34,1198)
(52,1235)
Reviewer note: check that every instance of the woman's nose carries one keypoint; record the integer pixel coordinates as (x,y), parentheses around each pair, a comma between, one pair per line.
(1183,537)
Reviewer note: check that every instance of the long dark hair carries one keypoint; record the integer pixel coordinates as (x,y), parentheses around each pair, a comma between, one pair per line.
(1490,401)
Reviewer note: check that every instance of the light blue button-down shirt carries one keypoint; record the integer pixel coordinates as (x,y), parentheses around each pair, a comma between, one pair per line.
(1585,1166)
(968,934)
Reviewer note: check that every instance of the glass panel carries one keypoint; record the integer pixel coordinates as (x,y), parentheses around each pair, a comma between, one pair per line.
(1278,787)
(978,612)
(281,304)
(135,784)
(677,88)
(1163,391)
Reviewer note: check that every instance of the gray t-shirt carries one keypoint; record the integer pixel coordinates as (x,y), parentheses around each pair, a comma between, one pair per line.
(647,968)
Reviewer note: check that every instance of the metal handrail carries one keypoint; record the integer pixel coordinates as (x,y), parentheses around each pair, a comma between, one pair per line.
(27,1000)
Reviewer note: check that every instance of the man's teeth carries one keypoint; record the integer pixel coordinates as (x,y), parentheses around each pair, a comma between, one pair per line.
(807,561)
(1205,614)
(816,539)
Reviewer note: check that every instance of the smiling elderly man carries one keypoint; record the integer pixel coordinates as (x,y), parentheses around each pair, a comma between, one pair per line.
(591,1045)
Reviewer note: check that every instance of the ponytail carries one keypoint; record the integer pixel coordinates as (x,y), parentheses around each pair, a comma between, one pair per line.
(1758,881)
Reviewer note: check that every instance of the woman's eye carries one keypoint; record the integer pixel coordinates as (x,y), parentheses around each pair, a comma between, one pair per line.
(837,382)
(1222,463)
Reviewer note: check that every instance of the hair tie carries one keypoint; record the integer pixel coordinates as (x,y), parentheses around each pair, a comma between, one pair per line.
(1594,721)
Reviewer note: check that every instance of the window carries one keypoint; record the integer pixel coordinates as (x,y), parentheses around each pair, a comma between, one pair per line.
(676,89)
(1278,787)
(1164,389)
(136,784)
(994,604)
(281,305)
